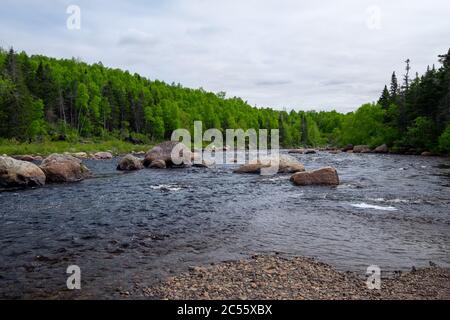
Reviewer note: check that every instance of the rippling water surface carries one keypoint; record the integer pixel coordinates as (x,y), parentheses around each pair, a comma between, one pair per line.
(127,230)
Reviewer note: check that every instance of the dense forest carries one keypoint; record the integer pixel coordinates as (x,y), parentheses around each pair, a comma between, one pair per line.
(46,99)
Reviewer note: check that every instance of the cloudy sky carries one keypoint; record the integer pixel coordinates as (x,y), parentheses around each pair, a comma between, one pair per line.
(295,54)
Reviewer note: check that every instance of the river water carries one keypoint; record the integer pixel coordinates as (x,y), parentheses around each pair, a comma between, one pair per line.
(127,230)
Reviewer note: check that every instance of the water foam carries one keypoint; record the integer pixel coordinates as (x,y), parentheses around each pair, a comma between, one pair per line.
(364,205)
(166,187)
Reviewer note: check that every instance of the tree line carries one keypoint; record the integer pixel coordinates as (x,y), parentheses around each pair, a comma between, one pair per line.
(43,98)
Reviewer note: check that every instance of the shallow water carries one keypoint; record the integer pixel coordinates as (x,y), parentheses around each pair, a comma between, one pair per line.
(128,229)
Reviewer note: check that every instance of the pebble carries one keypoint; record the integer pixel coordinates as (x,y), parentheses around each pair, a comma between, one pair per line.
(277,277)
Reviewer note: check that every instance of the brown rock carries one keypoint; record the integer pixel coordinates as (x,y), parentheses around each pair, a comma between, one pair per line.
(286,164)
(26,157)
(249,168)
(158,164)
(323,176)
(381,149)
(17,173)
(130,163)
(299,151)
(163,151)
(103,156)
(347,148)
(426,154)
(204,164)
(361,149)
(289,164)
(64,168)
(81,155)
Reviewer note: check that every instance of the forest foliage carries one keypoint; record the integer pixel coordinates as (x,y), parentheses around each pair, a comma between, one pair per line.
(47,99)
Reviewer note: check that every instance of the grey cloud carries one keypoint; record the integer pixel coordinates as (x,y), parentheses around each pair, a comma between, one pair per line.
(267,83)
(137,38)
(275,53)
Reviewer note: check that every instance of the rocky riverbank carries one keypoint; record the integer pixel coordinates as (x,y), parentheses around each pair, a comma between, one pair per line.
(275,277)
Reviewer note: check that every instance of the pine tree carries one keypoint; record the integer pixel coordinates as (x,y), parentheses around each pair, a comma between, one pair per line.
(305,137)
(394,88)
(385,98)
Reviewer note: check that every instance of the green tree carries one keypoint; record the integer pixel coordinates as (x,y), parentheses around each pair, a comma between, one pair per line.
(444,141)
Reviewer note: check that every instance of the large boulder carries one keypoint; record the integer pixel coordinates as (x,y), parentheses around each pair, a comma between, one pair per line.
(103,156)
(286,164)
(163,151)
(381,149)
(323,176)
(17,173)
(64,168)
(130,163)
(361,149)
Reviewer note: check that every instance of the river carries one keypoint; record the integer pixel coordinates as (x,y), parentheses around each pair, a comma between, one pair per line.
(131,229)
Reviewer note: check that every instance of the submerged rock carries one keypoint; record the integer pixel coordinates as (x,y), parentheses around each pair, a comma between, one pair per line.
(286,164)
(204,164)
(64,168)
(323,176)
(299,151)
(130,163)
(250,168)
(163,151)
(17,173)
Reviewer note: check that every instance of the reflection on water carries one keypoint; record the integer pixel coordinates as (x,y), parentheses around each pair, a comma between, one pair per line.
(123,229)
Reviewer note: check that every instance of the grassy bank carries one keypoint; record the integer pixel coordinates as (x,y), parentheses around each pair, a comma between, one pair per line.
(45,148)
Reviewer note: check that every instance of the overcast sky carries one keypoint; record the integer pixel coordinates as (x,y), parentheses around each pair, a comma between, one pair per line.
(295,54)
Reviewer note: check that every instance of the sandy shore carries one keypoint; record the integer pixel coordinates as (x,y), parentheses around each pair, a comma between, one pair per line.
(274,277)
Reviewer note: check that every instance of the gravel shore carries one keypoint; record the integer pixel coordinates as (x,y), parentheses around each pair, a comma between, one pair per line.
(275,277)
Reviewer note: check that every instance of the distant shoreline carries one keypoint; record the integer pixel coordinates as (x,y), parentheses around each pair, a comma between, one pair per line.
(116,147)
(120,147)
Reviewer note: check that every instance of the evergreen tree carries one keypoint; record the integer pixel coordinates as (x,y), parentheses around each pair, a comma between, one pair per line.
(385,99)
(393,93)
